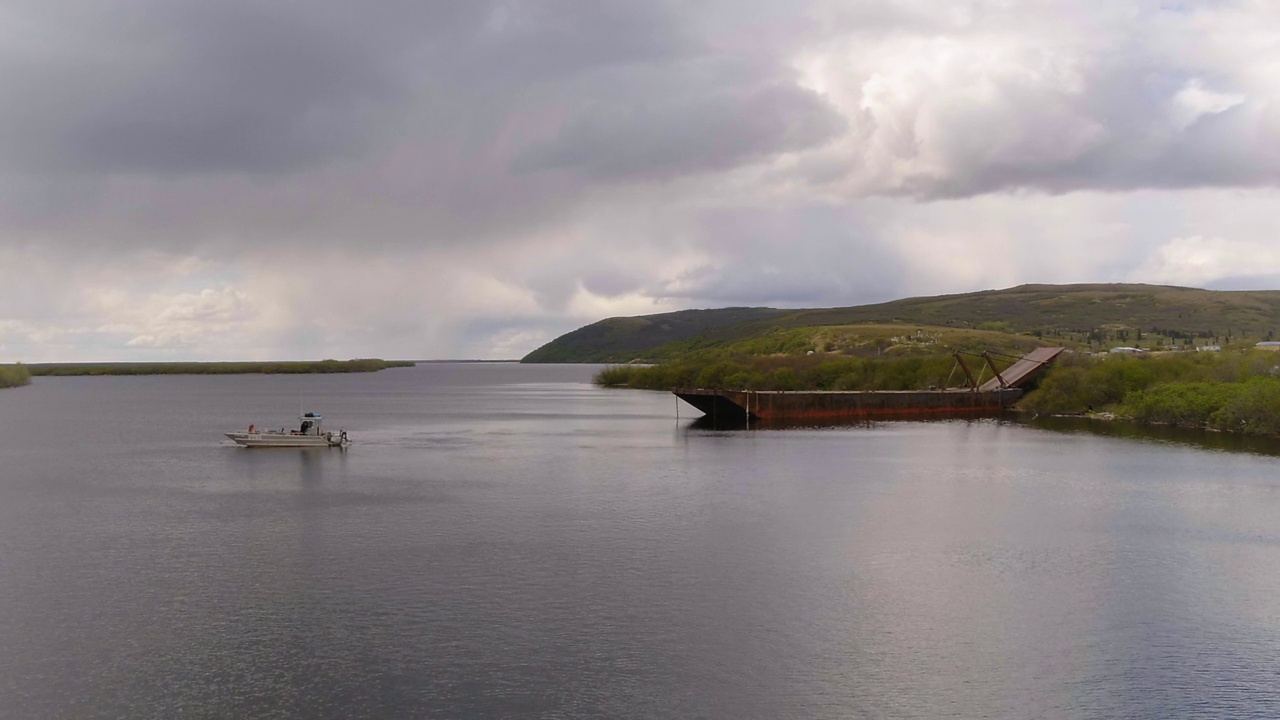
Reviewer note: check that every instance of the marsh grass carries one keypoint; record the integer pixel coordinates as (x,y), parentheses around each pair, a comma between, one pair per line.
(14,375)
(217,368)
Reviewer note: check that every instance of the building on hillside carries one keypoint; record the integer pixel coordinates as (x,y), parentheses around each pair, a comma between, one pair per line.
(1125,350)
(1209,348)
(1268,345)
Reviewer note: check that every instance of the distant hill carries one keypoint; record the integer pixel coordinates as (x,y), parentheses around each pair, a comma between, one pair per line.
(624,338)
(1068,314)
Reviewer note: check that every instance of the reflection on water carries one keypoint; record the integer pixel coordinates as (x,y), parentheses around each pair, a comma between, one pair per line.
(286,467)
(1207,439)
(707,422)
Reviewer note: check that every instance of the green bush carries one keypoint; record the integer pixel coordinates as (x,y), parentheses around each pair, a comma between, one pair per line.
(714,375)
(1064,390)
(1237,392)
(1180,403)
(1254,409)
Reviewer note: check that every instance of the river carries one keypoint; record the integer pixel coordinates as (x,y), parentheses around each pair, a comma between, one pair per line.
(510,541)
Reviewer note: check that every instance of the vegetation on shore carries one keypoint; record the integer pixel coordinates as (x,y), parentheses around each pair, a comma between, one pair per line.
(217,368)
(14,375)
(809,372)
(1235,392)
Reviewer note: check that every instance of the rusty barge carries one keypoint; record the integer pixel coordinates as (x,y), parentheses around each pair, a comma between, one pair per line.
(787,406)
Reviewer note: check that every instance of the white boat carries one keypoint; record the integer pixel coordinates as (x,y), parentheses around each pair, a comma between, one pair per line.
(309,434)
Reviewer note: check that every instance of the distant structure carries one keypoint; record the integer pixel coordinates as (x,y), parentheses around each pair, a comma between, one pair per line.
(1125,350)
(1269,345)
(1209,348)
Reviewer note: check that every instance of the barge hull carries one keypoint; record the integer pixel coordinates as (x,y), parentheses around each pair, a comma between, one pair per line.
(728,405)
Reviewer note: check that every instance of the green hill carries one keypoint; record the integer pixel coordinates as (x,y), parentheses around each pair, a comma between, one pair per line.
(624,338)
(1095,314)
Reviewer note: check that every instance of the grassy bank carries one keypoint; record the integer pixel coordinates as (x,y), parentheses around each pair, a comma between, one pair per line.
(1235,392)
(217,368)
(1078,383)
(14,375)
(810,372)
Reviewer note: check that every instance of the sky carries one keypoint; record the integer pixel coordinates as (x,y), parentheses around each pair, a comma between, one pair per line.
(274,179)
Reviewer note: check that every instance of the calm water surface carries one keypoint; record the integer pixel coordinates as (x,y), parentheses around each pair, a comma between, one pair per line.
(509,541)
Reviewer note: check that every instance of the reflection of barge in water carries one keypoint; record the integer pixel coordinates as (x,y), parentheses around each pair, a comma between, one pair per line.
(990,398)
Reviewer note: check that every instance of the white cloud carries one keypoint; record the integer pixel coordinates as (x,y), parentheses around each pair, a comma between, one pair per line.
(1199,261)
(1194,101)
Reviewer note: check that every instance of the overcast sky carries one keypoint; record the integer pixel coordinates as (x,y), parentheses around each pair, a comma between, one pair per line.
(270,179)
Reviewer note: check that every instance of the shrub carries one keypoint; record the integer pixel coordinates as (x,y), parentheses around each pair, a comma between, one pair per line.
(1254,409)
(1180,403)
(1064,390)
(714,375)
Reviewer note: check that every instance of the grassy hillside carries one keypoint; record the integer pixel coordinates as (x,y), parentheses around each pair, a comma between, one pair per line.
(622,339)
(863,340)
(1072,315)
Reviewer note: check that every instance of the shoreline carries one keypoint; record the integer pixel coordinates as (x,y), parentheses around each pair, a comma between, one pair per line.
(291,367)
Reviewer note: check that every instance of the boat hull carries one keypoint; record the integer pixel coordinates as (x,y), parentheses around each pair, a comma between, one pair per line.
(285,440)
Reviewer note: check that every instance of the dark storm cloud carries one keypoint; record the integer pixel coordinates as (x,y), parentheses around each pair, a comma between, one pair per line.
(172,87)
(176,72)
(668,120)
(180,122)
(179,88)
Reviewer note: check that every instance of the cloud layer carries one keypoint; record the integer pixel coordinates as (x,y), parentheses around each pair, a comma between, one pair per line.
(241,179)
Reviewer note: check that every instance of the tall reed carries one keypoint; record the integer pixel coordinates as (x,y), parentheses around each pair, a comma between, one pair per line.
(14,375)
